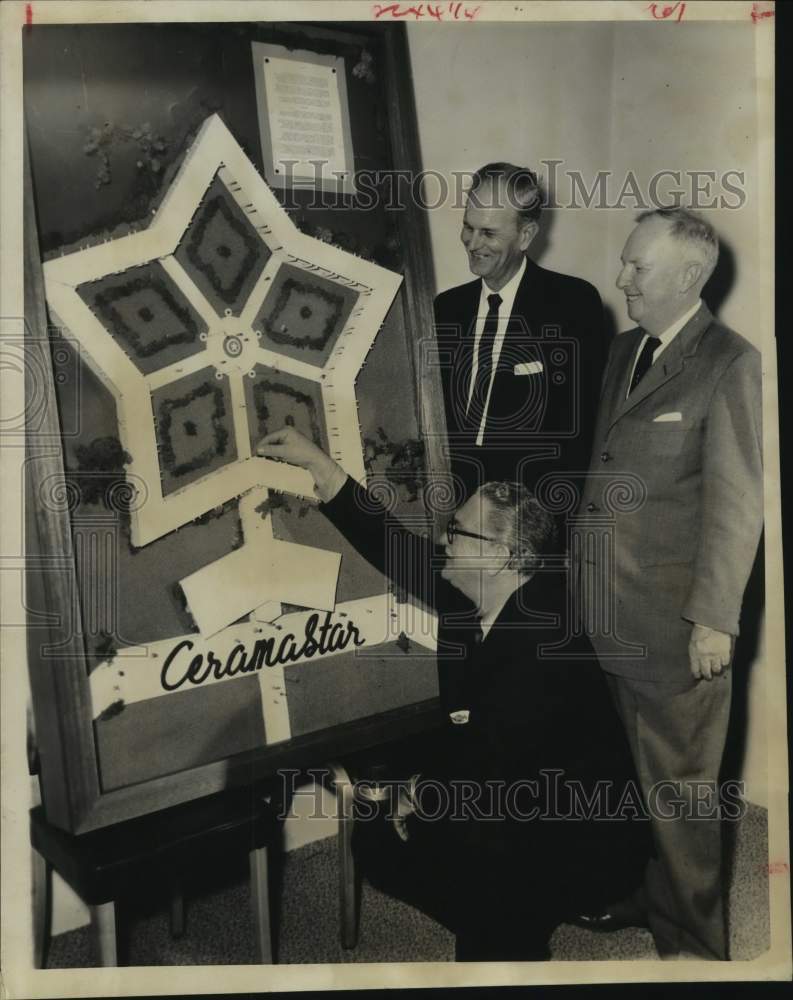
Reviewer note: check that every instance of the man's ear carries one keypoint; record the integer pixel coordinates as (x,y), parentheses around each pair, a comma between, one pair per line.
(503,555)
(692,273)
(527,233)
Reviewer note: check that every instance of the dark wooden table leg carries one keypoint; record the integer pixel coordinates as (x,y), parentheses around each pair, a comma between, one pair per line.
(177,911)
(42,908)
(260,900)
(103,923)
(348,901)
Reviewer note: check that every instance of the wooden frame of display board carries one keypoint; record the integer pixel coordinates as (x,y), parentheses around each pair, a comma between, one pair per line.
(72,693)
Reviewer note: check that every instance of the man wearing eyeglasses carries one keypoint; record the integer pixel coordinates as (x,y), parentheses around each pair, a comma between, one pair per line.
(488,853)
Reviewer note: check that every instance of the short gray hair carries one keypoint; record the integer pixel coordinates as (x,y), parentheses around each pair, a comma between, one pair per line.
(687,227)
(521,524)
(520,184)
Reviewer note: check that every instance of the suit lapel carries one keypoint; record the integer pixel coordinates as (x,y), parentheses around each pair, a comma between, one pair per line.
(522,319)
(468,308)
(667,367)
(616,384)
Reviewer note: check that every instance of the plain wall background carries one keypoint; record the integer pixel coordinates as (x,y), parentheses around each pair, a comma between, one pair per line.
(496,93)
(618,97)
(630,97)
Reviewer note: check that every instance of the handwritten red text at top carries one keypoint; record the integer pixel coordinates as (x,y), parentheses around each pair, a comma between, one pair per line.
(760,14)
(452,11)
(666,12)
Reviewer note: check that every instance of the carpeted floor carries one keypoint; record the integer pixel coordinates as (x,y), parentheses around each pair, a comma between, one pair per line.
(219,927)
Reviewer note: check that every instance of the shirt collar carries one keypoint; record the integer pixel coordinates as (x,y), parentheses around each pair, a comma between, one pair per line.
(507,293)
(488,620)
(672,331)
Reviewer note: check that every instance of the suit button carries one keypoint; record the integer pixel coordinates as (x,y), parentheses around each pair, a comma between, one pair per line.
(592,507)
(604,456)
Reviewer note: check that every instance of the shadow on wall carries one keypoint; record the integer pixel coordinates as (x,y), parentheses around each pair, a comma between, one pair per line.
(720,283)
(541,245)
(609,326)
(542,241)
(746,651)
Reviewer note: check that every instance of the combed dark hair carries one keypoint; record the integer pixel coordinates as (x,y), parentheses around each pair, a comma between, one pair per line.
(521,523)
(521,186)
(688,227)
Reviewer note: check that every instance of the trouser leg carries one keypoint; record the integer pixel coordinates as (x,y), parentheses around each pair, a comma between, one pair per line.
(677,740)
(495,902)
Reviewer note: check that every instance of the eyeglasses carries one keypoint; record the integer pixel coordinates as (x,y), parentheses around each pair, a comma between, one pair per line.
(452,529)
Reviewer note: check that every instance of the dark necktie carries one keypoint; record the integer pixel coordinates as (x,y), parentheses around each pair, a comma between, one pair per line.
(644,361)
(484,367)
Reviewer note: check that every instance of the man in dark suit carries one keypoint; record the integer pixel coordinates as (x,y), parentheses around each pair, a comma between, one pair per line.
(521,347)
(666,558)
(498,850)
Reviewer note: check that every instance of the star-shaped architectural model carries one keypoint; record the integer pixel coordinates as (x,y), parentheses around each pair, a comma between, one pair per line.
(218,323)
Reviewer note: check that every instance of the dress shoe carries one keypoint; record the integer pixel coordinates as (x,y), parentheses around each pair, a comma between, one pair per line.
(625,913)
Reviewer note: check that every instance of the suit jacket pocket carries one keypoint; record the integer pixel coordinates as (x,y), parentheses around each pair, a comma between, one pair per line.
(669,540)
(664,440)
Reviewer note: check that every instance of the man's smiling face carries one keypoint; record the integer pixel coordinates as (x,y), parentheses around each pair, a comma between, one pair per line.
(494,235)
(652,276)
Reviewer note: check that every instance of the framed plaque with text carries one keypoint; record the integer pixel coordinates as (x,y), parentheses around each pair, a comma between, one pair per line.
(304,118)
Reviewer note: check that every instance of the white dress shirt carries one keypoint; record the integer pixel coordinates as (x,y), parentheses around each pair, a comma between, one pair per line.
(488,620)
(666,339)
(507,293)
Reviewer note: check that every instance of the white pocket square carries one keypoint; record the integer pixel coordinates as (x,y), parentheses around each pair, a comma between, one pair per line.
(528,368)
(668,418)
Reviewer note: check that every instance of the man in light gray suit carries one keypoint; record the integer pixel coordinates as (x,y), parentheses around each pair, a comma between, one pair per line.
(680,422)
